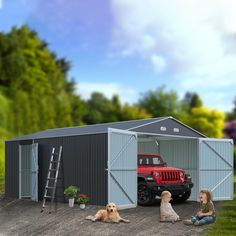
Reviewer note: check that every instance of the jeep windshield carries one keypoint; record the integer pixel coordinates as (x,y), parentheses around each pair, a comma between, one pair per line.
(150,161)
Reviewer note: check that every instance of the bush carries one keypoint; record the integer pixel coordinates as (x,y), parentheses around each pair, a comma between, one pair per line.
(71,191)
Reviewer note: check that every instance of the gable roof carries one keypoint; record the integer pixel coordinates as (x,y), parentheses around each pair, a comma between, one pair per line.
(132,125)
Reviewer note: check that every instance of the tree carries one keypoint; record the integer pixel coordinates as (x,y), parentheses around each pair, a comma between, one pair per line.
(209,122)
(161,103)
(192,100)
(232,115)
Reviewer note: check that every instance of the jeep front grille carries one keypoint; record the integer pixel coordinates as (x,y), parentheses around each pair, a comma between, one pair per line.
(170,176)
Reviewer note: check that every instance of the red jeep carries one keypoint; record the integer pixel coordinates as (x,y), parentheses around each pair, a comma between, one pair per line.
(154,177)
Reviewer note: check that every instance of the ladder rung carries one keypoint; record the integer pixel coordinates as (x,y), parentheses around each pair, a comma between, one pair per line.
(48,197)
(51,178)
(54,161)
(52,170)
(55,153)
(48,187)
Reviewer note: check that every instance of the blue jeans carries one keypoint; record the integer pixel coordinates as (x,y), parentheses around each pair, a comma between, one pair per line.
(203,219)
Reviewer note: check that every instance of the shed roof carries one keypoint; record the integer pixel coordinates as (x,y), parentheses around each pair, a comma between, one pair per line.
(144,126)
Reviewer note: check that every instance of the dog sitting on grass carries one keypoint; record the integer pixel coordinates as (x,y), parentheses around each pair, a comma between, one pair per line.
(110,214)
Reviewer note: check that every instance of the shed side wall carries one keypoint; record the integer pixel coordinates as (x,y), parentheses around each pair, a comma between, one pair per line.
(84,161)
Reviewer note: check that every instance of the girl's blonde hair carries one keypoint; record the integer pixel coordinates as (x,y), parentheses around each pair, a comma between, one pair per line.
(164,193)
(208,194)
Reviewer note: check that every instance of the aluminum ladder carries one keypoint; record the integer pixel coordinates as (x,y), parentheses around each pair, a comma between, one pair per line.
(52,177)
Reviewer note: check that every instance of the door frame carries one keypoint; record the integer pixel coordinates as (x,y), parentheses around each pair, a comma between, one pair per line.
(32,171)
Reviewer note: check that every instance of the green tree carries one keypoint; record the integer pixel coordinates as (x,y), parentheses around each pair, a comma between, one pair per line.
(192,100)
(232,115)
(161,103)
(209,122)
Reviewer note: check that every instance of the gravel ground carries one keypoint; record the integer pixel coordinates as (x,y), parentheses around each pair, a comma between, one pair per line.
(23,217)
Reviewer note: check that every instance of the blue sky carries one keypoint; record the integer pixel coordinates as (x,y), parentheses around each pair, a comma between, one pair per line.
(130,46)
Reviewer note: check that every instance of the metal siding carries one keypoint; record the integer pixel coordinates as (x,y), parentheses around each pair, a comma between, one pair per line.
(84,162)
(216,166)
(12,169)
(182,154)
(122,168)
(148,147)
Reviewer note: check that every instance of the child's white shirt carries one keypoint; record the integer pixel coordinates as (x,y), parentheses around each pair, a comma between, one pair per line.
(167,212)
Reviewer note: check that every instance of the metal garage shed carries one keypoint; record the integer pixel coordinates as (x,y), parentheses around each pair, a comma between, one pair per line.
(102,159)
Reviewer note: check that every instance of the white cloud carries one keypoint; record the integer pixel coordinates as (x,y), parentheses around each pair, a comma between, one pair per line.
(108,89)
(192,41)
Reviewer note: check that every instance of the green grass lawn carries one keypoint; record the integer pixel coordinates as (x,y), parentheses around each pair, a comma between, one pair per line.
(226,218)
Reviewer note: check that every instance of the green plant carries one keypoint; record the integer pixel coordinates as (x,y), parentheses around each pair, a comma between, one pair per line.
(71,191)
(82,199)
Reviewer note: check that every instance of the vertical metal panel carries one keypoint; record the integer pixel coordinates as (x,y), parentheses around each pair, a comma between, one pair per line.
(84,160)
(216,167)
(12,169)
(182,154)
(122,168)
(149,146)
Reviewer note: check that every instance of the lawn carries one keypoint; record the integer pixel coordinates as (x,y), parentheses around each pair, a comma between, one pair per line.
(226,218)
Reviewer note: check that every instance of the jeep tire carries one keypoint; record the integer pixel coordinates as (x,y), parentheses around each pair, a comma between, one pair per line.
(182,198)
(145,195)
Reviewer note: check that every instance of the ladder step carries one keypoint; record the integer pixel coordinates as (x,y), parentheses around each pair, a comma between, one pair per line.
(51,178)
(48,187)
(52,170)
(48,197)
(54,161)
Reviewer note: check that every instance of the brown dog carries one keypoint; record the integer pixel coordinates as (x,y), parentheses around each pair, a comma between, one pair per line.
(109,215)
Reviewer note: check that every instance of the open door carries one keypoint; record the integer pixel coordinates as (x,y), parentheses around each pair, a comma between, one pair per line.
(122,168)
(216,167)
(28,171)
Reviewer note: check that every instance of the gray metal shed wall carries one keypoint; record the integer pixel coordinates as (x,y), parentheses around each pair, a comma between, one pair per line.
(12,169)
(84,164)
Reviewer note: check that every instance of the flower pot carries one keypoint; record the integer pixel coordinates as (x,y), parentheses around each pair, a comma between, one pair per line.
(82,206)
(71,202)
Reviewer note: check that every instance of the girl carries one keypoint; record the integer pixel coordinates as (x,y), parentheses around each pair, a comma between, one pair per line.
(166,211)
(206,215)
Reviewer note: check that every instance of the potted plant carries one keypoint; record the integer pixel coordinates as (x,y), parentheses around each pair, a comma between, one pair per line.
(71,193)
(82,200)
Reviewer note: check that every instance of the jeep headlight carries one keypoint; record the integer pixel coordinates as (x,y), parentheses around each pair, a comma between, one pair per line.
(156,175)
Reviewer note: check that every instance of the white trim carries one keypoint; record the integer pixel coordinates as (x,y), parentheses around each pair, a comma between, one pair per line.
(121,131)
(217,140)
(167,135)
(188,127)
(152,122)
(123,207)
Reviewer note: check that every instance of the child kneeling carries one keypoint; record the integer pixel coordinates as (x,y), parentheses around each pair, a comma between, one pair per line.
(167,213)
(206,215)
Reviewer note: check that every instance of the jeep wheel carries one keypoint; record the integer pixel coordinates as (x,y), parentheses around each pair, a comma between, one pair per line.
(145,196)
(183,197)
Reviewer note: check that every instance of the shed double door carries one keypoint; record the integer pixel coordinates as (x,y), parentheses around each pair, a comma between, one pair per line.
(122,168)
(28,171)
(216,167)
